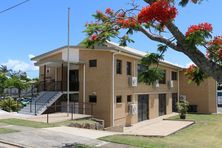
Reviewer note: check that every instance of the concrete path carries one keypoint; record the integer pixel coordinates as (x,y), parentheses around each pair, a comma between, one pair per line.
(88,133)
(157,127)
(55,137)
(219,110)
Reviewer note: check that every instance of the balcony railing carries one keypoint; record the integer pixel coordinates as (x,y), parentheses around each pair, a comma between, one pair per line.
(58,86)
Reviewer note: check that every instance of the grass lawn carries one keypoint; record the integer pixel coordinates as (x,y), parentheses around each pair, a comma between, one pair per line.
(7,130)
(205,133)
(34,124)
(21,122)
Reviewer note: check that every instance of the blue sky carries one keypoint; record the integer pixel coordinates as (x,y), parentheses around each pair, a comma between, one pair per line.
(41,25)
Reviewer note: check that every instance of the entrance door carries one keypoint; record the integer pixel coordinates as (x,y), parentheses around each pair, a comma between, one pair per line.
(162,104)
(143,109)
(174,102)
(74,80)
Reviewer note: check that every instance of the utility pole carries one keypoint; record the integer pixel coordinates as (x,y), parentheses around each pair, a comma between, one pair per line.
(68,64)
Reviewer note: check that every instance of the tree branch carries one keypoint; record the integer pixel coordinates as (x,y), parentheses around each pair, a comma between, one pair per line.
(159,39)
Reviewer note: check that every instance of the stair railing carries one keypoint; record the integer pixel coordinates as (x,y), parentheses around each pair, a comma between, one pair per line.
(50,98)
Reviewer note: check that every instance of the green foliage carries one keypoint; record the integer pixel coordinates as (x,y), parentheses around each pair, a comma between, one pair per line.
(198,38)
(182,107)
(150,75)
(152,58)
(195,75)
(3,79)
(123,23)
(162,48)
(9,104)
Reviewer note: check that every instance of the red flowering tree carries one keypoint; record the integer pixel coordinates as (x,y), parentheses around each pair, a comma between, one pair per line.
(152,20)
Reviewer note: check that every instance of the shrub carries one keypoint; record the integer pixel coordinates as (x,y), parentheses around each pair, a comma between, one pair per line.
(182,107)
(9,104)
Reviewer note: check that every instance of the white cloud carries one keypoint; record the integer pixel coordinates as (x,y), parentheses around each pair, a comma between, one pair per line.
(17,65)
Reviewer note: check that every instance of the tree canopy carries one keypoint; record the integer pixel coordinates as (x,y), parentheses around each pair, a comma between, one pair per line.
(153,20)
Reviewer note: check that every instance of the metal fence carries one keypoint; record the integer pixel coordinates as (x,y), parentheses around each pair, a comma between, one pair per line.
(76,109)
(219,98)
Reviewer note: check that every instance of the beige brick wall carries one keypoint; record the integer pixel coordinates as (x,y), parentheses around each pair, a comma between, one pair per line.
(204,95)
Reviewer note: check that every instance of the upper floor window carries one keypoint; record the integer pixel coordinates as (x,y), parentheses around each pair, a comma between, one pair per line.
(173,75)
(118,99)
(92,99)
(118,66)
(92,63)
(140,68)
(129,68)
(163,80)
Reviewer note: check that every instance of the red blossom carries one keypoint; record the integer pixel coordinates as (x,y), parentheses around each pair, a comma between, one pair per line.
(109,11)
(191,68)
(121,15)
(220,53)
(126,23)
(199,27)
(216,41)
(93,37)
(160,11)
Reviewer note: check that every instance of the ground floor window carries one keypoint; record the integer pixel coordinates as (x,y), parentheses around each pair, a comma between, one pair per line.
(118,99)
(92,99)
(174,102)
(143,107)
(162,104)
(129,98)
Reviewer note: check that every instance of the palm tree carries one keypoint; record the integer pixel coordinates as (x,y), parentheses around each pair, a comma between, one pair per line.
(17,83)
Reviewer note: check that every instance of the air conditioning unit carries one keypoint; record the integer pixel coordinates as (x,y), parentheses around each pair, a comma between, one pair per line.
(170,84)
(157,84)
(132,109)
(133,81)
(183,97)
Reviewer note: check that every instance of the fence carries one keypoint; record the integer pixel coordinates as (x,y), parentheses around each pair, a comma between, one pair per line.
(219,98)
(77,110)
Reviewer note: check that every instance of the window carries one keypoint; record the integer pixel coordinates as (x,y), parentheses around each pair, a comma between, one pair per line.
(47,70)
(163,80)
(140,68)
(92,63)
(92,99)
(118,99)
(173,75)
(129,98)
(129,68)
(118,66)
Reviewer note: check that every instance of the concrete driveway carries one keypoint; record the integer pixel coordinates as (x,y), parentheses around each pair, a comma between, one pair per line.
(157,127)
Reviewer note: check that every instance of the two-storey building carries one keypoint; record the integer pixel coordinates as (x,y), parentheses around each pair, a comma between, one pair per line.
(106,77)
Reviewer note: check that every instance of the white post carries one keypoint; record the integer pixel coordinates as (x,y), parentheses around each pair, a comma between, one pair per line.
(68,65)
(84,87)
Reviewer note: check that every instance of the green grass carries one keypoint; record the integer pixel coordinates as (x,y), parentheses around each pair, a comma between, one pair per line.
(205,133)
(34,124)
(81,146)
(21,122)
(7,130)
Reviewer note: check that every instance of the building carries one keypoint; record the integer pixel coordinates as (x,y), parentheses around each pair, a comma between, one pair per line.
(106,78)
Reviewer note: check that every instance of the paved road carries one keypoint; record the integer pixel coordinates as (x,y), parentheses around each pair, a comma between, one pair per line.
(36,138)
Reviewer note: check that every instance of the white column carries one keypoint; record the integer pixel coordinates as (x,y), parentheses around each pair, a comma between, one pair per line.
(84,87)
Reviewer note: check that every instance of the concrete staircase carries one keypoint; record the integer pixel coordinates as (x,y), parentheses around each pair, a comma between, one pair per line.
(41,102)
